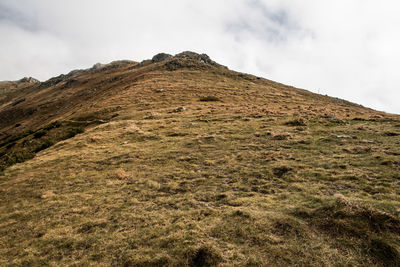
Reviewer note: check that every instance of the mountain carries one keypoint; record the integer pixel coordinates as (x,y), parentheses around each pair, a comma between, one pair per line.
(179,161)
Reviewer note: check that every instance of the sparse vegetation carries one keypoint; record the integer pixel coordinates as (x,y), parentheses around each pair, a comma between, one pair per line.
(204,256)
(13,158)
(39,134)
(297,122)
(209,98)
(17,151)
(43,146)
(55,124)
(10,145)
(71,132)
(241,182)
(15,138)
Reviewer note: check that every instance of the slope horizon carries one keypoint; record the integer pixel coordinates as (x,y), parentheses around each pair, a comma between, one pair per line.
(133,61)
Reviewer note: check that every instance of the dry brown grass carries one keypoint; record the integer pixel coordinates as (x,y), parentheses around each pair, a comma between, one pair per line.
(210,185)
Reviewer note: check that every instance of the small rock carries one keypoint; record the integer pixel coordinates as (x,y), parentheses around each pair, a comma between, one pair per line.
(344,136)
(368,141)
(179,109)
(160,90)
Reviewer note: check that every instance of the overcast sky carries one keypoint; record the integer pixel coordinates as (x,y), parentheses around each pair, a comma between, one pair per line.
(342,48)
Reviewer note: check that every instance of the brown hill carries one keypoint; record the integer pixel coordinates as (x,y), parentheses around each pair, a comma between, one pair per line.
(121,84)
(178,161)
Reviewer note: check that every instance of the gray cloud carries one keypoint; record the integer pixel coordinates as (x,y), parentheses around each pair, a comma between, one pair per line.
(347,49)
(12,16)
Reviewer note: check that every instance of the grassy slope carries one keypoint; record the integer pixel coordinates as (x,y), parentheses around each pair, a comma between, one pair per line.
(225,182)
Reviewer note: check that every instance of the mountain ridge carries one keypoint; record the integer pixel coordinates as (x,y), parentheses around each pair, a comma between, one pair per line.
(183,60)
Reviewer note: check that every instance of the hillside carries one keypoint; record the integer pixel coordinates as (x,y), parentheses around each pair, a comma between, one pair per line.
(179,161)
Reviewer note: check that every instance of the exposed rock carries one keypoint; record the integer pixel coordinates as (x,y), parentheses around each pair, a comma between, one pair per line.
(179,109)
(192,55)
(52,81)
(346,137)
(117,64)
(173,65)
(75,72)
(368,141)
(160,57)
(28,80)
(98,66)
(121,62)
(190,60)
(112,65)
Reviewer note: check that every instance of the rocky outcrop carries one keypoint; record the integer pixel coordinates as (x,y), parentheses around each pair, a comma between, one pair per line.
(190,60)
(28,80)
(204,58)
(160,57)
(98,66)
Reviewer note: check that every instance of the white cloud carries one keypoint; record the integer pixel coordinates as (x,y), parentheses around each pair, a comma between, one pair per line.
(341,48)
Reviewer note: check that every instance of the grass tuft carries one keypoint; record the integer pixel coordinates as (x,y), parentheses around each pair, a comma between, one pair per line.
(384,252)
(43,146)
(71,132)
(206,255)
(39,134)
(209,99)
(297,122)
